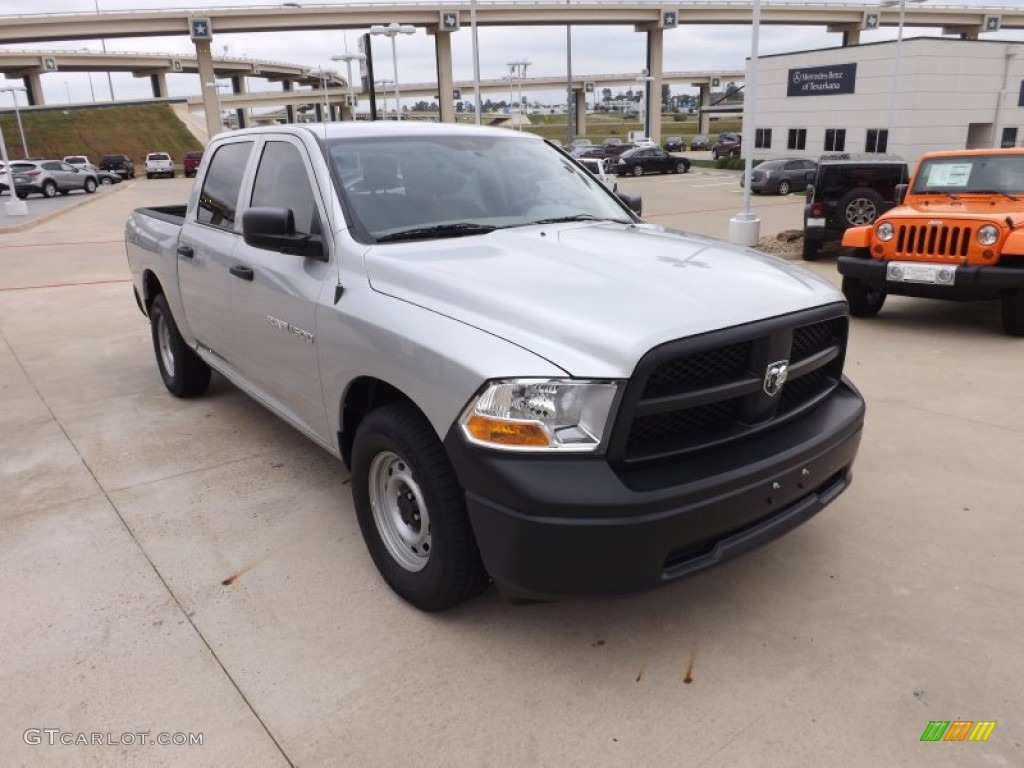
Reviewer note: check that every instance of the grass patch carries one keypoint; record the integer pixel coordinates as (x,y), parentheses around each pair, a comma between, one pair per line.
(134,131)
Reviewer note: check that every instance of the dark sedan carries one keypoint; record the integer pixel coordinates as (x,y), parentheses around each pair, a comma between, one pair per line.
(782,176)
(700,142)
(674,144)
(641,160)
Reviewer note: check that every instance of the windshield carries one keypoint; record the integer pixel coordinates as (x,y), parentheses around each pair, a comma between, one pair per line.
(971,174)
(437,185)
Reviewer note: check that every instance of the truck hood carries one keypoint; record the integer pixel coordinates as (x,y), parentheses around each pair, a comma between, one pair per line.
(593,298)
(990,207)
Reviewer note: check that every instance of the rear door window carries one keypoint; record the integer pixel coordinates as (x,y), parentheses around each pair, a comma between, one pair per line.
(218,200)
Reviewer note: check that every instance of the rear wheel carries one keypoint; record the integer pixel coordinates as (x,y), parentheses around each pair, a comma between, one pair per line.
(1013,312)
(863,301)
(106,181)
(784,187)
(49,189)
(183,371)
(638,170)
(412,511)
(682,167)
(90,186)
(859,207)
(811,249)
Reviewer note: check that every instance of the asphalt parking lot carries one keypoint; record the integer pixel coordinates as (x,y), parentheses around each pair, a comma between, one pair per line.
(195,567)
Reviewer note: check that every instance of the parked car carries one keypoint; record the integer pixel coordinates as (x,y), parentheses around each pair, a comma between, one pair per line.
(849,190)
(781,176)
(728,145)
(674,144)
(700,142)
(79,161)
(122,165)
(48,177)
(598,167)
(641,160)
(159,164)
(620,416)
(578,143)
(954,234)
(191,162)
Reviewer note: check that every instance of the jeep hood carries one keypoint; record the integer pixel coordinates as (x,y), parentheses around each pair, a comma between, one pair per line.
(593,298)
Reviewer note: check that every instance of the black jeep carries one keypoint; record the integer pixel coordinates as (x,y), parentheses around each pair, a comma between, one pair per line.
(849,190)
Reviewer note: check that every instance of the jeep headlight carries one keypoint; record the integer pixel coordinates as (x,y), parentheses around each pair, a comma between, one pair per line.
(988,234)
(540,414)
(884,232)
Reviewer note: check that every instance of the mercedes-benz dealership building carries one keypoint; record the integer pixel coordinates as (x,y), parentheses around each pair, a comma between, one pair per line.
(940,94)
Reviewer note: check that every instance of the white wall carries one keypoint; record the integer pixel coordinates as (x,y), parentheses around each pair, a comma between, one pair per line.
(943,86)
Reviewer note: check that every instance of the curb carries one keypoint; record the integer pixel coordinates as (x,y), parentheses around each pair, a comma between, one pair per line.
(32,221)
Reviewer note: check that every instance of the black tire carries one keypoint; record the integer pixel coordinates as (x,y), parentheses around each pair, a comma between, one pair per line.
(149,175)
(397,451)
(682,167)
(863,301)
(811,249)
(106,181)
(21,195)
(784,187)
(90,186)
(49,189)
(183,371)
(638,170)
(1013,312)
(859,207)
(64,191)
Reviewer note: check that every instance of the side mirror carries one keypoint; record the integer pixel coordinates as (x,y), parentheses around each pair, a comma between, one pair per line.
(273,229)
(635,203)
(900,193)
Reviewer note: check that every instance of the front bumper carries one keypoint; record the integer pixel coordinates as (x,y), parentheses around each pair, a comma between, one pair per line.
(556,526)
(972,282)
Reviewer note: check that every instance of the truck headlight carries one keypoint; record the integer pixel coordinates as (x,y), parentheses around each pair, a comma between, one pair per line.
(884,232)
(540,414)
(988,234)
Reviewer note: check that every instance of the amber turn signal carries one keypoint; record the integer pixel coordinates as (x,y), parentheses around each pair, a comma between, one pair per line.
(503,432)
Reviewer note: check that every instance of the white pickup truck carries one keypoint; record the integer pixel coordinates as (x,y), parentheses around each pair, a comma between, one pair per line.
(529,384)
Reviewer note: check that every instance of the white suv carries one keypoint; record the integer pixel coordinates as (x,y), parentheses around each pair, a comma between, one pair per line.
(159,164)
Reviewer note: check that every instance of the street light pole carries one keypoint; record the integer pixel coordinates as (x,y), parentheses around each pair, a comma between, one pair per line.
(644,79)
(745,226)
(348,58)
(393,30)
(14,206)
(17,113)
(384,89)
(896,64)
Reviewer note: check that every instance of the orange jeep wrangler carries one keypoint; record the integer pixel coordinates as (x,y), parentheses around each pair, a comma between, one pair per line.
(956,233)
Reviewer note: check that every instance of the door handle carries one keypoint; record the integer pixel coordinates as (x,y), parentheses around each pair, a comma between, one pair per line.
(241,271)
(186,251)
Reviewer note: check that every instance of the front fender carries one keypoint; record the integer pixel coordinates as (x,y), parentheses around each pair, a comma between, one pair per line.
(1014,245)
(857,237)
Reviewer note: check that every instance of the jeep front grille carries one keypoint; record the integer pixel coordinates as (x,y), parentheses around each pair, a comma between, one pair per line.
(709,391)
(949,242)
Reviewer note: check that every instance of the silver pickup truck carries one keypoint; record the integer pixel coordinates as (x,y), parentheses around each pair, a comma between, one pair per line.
(528,383)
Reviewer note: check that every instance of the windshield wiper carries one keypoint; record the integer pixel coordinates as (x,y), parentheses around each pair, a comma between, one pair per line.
(577,217)
(459,229)
(995,192)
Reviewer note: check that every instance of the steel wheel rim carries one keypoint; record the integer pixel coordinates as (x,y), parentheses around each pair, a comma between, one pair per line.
(163,337)
(860,212)
(399,511)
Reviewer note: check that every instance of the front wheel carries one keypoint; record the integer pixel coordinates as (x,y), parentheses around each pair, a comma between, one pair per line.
(90,186)
(412,511)
(106,181)
(682,167)
(638,170)
(1013,312)
(784,187)
(863,301)
(185,374)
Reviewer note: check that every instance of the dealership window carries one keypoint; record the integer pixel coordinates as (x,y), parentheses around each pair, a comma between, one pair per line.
(797,138)
(877,140)
(763,138)
(835,139)
(1009,138)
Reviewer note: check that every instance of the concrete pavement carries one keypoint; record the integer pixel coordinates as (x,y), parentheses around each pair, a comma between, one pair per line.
(195,567)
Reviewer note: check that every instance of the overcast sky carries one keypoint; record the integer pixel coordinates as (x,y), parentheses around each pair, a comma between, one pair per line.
(595,49)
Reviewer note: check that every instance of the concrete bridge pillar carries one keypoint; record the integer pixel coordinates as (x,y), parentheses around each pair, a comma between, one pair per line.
(655,69)
(159,82)
(33,89)
(445,81)
(238,86)
(580,97)
(289,109)
(207,81)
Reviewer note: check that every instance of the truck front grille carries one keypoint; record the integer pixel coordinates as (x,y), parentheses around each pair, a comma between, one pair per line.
(944,242)
(692,394)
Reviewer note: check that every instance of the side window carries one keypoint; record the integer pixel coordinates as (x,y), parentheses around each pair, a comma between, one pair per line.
(51,166)
(218,201)
(282,182)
